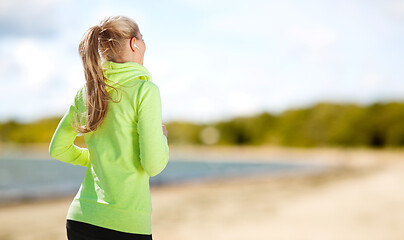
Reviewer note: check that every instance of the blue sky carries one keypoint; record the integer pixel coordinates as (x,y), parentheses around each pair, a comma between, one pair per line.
(211,59)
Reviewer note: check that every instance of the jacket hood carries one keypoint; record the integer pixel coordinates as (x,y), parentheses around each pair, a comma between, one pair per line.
(122,73)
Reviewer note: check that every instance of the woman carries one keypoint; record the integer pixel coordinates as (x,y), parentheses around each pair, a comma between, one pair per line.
(119,113)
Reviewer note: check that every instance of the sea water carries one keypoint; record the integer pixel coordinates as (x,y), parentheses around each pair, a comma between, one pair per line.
(25,179)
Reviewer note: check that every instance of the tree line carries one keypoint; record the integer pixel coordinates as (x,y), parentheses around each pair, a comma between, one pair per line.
(324,124)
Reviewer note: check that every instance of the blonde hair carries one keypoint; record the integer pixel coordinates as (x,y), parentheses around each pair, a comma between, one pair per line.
(105,39)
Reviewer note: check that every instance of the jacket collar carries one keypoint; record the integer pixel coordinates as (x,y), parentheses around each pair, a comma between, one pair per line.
(121,73)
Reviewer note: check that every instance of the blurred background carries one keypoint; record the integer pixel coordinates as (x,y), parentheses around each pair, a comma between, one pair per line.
(252,91)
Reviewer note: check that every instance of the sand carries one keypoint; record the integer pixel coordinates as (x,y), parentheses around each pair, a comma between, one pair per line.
(362,198)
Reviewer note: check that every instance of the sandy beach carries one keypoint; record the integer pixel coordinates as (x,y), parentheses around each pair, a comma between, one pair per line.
(362,198)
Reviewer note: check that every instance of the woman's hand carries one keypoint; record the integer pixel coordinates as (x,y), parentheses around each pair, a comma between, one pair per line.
(164,130)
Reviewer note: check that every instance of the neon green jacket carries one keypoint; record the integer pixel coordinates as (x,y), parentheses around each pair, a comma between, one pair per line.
(124,151)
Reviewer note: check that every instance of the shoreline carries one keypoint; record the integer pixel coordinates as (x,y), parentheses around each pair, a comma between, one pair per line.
(329,155)
(301,169)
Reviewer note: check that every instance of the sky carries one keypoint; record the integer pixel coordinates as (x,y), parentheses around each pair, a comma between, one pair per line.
(211,59)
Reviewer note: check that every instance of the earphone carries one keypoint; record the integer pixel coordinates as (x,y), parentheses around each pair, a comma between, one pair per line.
(136,46)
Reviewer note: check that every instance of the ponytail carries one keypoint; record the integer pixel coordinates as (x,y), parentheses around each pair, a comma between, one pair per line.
(97,95)
(104,38)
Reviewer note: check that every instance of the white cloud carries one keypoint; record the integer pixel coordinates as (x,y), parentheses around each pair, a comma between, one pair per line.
(252,19)
(8,6)
(34,62)
(30,18)
(314,42)
(39,79)
(314,38)
(241,102)
(372,80)
(395,7)
(208,3)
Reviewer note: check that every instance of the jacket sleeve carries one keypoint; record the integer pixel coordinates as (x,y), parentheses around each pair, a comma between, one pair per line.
(62,144)
(154,152)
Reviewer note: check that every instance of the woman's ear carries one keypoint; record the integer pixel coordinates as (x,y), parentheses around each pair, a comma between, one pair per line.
(132,44)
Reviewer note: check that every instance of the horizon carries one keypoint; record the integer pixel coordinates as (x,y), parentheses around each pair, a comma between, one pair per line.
(230,118)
